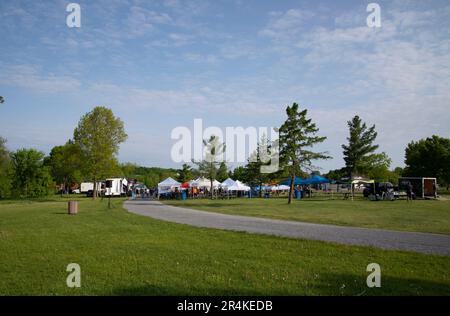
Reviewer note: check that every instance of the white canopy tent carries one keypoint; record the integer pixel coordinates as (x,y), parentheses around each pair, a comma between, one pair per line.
(238,186)
(168,185)
(202,182)
(228,183)
(281,187)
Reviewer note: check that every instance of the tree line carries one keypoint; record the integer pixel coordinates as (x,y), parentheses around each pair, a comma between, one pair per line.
(91,155)
(298,135)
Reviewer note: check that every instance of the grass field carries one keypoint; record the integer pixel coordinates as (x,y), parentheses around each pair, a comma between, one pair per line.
(419,215)
(122,253)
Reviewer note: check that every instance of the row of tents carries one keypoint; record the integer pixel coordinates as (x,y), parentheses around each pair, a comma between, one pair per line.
(170,185)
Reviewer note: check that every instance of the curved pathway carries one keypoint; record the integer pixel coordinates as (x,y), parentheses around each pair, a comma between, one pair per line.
(386,239)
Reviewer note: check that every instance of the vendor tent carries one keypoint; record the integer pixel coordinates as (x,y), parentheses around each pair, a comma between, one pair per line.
(201,182)
(228,183)
(281,187)
(316,179)
(297,181)
(239,186)
(167,186)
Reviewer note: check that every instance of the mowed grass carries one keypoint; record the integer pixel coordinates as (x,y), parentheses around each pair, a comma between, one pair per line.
(420,215)
(125,254)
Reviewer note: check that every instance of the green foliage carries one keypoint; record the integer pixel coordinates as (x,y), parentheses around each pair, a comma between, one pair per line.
(360,146)
(336,174)
(31,178)
(259,158)
(239,173)
(184,174)
(149,176)
(5,170)
(376,166)
(99,135)
(296,137)
(429,157)
(222,172)
(65,163)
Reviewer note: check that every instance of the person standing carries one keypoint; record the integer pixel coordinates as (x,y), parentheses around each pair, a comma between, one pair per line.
(409,191)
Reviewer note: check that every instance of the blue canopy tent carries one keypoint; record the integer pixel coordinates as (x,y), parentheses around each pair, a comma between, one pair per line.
(316,179)
(297,181)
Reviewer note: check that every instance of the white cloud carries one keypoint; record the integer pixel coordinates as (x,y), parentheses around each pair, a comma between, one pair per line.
(29,77)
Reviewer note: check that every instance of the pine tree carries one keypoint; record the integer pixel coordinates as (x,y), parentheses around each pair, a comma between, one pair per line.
(296,137)
(360,146)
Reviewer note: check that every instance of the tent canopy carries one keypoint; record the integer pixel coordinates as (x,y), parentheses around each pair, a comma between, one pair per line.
(228,183)
(167,185)
(169,182)
(239,186)
(297,181)
(316,179)
(281,187)
(203,182)
(362,181)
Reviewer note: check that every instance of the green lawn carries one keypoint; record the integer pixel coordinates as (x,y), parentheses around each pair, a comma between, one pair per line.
(122,253)
(420,215)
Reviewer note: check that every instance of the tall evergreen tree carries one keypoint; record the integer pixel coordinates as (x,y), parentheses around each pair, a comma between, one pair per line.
(222,172)
(185,173)
(360,146)
(99,135)
(296,137)
(254,173)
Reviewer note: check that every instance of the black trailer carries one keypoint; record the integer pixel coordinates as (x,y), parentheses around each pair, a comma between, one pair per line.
(422,187)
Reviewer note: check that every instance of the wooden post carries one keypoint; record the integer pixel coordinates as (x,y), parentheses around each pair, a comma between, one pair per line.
(72,207)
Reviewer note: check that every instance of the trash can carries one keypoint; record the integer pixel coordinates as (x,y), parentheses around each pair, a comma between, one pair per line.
(183,195)
(73,207)
(298,194)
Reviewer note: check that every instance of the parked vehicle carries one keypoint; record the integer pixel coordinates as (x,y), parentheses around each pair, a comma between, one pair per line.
(116,187)
(88,188)
(381,191)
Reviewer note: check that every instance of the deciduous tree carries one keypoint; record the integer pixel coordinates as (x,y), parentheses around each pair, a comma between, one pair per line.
(31,178)
(99,134)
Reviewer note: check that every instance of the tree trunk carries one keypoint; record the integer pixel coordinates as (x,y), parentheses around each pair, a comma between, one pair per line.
(291,189)
(94,194)
(260,189)
(211,188)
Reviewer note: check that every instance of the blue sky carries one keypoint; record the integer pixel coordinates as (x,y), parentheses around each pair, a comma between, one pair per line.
(161,64)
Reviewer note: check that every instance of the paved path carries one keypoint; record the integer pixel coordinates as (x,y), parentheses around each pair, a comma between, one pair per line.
(386,239)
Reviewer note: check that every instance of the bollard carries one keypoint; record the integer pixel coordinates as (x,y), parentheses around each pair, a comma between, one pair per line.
(73,207)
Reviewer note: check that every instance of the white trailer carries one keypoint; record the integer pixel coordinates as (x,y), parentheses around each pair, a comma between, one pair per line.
(86,187)
(116,187)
